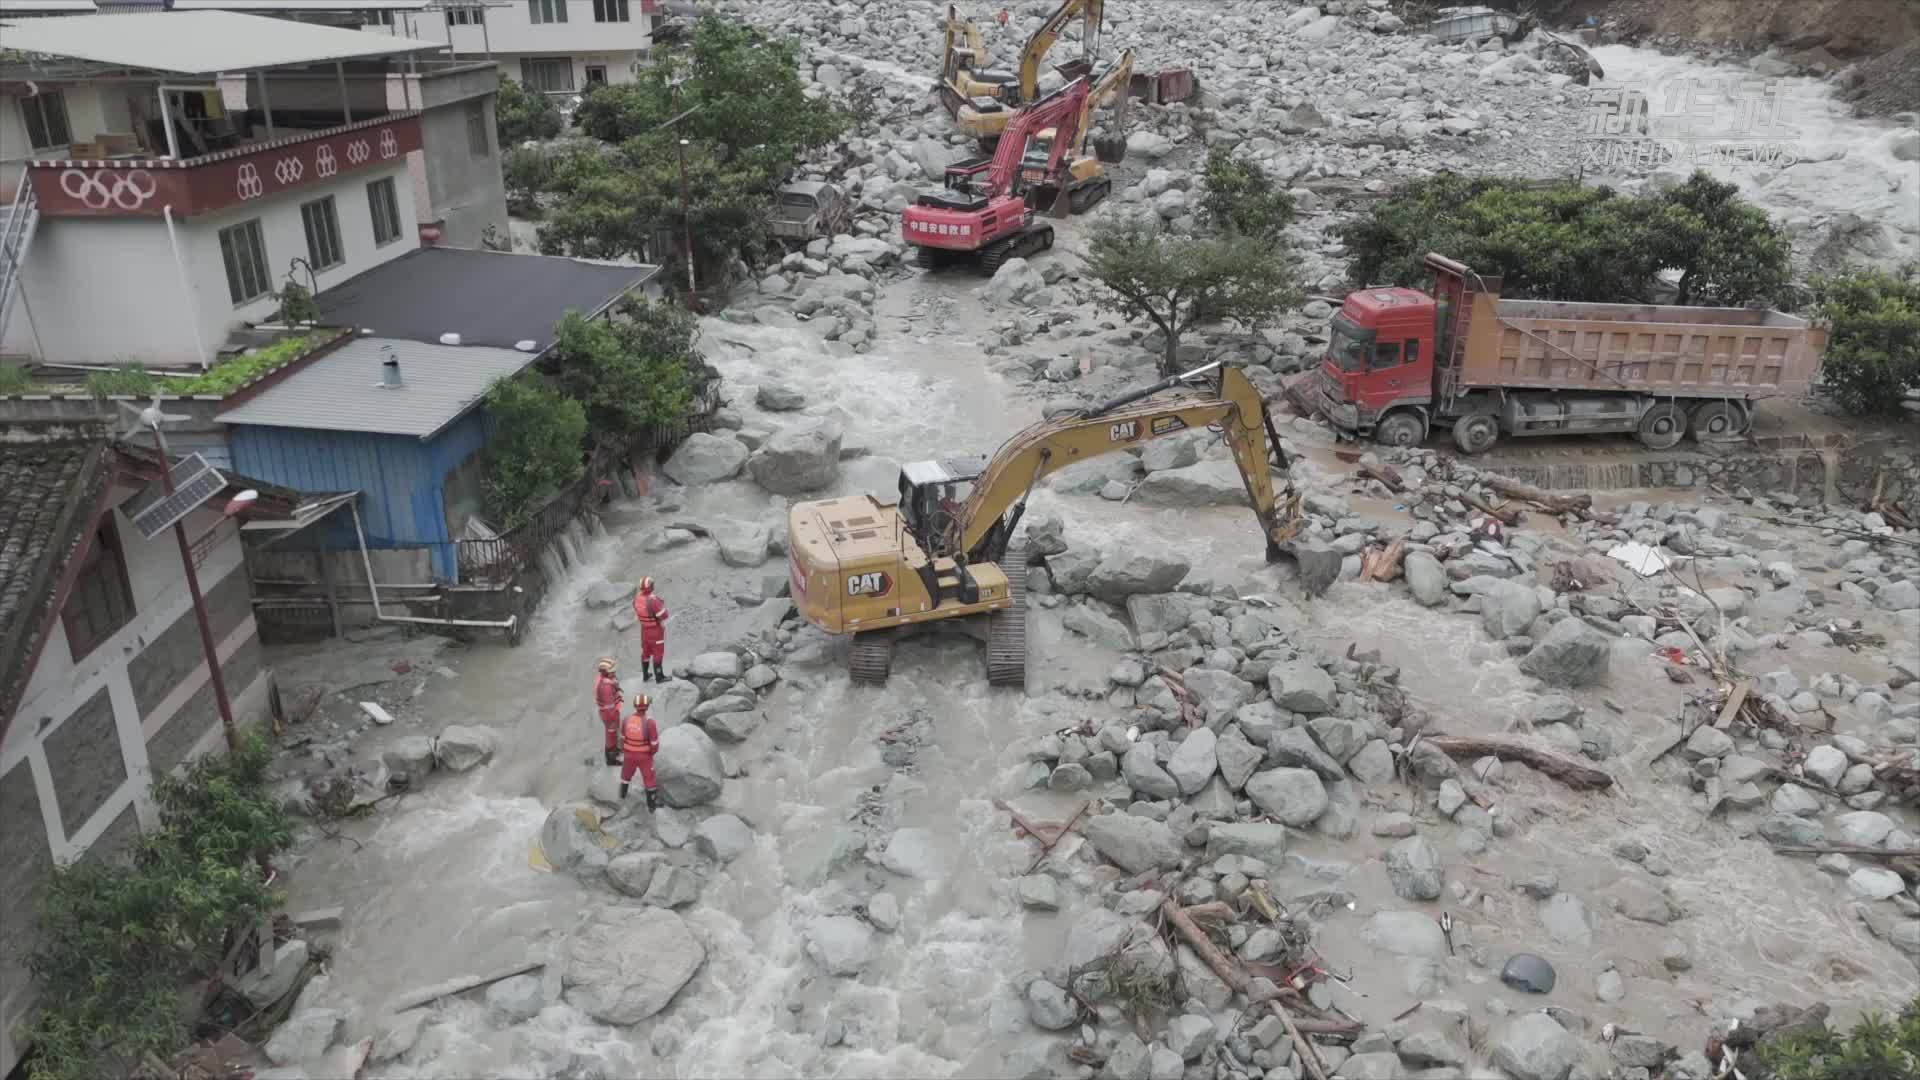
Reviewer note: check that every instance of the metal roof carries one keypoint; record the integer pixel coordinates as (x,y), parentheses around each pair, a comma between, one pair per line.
(341,391)
(199,42)
(324,7)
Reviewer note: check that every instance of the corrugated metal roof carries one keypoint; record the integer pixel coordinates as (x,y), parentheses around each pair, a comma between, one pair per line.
(199,42)
(341,391)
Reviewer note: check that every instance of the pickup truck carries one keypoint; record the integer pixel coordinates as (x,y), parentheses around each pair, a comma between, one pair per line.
(1401,363)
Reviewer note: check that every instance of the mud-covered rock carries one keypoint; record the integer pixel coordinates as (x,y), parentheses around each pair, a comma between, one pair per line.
(687,767)
(626,964)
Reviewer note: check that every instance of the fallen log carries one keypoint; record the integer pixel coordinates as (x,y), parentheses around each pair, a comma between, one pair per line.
(1386,474)
(1509,518)
(1554,502)
(1384,565)
(1566,770)
(1847,849)
(1236,979)
(459,984)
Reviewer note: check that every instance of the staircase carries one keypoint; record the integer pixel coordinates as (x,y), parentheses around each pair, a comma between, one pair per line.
(17,223)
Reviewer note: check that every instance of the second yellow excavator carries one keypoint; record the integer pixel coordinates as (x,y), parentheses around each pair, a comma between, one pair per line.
(943,555)
(982,100)
(1081,177)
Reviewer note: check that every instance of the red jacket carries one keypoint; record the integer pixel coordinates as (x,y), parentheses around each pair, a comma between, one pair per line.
(652,613)
(640,735)
(606,694)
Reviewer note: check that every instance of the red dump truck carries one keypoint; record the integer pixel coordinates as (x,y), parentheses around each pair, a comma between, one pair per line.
(1401,363)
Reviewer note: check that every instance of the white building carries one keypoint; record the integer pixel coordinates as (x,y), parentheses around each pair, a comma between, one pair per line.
(556,47)
(164,175)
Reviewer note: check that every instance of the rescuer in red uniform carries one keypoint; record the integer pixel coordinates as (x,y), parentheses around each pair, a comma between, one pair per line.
(641,737)
(652,613)
(607,697)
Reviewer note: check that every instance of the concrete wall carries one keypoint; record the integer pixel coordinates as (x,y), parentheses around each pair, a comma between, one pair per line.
(77,763)
(452,185)
(74,265)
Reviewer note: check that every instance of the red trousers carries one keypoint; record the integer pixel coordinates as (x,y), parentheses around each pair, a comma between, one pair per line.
(611,721)
(638,759)
(653,647)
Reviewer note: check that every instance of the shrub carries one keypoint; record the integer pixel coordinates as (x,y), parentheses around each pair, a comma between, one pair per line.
(633,371)
(1240,197)
(1878,1048)
(120,937)
(536,446)
(520,114)
(231,375)
(132,380)
(15,379)
(1873,346)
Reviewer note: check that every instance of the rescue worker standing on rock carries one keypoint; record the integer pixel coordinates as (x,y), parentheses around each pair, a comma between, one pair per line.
(641,738)
(607,696)
(652,613)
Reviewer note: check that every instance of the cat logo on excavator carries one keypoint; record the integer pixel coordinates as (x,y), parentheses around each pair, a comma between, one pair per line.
(874,583)
(1121,432)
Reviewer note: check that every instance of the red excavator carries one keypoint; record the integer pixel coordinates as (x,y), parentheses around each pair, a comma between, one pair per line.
(981,215)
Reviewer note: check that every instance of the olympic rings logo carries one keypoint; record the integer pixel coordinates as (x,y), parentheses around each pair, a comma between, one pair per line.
(358,151)
(389,145)
(249,185)
(128,190)
(324,163)
(288,170)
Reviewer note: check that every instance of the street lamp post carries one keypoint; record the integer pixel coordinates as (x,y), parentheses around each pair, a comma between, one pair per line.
(686,201)
(207,644)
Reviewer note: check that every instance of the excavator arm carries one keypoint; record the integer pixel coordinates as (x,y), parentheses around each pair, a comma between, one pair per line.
(984,523)
(1048,32)
(1109,89)
(962,37)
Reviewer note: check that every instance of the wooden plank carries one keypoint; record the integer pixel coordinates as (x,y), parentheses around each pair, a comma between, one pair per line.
(459,984)
(1735,698)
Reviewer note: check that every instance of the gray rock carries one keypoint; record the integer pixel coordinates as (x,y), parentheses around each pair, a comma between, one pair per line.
(735,726)
(1164,1064)
(1294,747)
(632,873)
(264,988)
(1796,800)
(572,840)
(605,594)
(704,458)
(624,964)
(410,756)
(393,1036)
(687,767)
(883,911)
(840,944)
(672,887)
(911,853)
(1039,893)
(778,397)
(1209,483)
(715,665)
(303,1037)
(1897,596)
(1425,577)
(1427,1048)
(1257,839)
(1404,933)
(723,838)
(1130,1058)
(1121,575)
(1792,831)
(1145,776)
(1507,608)
(1826,764)
(1294,797)
(461,747)
(1640,1051)
(1373,764)
(1045,534)
(1641,901)
(1340,736)
(797,460)
(1566,920)
(1862,828)
(1378,1065)
(1158,613)
(1221,693)
(1533,1046)
(1708,742)
(1571,654)
(1237,758)
(518,998)
(1414,869)
(1096,625)
(1193,761)
(741,544)
(1189,1035)
(1049,1007)
(1135,844)
(1875,883)
(1301,687)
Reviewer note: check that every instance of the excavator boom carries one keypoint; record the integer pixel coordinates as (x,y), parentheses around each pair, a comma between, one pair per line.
(1038,45)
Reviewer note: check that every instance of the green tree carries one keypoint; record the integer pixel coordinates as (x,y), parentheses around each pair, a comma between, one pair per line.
(526,171)
(1873,342)
(520,114)
(631,372)
(120,937)
(1239,196)
(625,202)
(1177,282)
(536,449)
(1727,250)
(1878,1048)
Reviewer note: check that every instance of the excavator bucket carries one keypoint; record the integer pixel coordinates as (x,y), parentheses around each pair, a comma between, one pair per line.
(1110,149)
(1062,204)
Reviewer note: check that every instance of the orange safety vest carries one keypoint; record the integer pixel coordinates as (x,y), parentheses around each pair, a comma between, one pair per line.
(640,735)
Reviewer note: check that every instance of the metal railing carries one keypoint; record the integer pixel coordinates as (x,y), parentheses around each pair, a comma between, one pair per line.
(14,236)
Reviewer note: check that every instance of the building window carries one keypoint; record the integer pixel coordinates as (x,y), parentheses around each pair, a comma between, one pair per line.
(547,11)
(101,601)
(478,139)
(610,11)
(385,208)
(467,16)
(552,75)
(245,254)
(46,117)
(596,74)
(323,233)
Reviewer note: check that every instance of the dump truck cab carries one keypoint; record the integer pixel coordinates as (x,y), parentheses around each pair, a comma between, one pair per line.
(1379,360)
(808,210)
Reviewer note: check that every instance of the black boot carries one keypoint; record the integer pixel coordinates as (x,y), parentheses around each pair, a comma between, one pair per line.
(613,757)
(653,799)
(659,672)
(623,789)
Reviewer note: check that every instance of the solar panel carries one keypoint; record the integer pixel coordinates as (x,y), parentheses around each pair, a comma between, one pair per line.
(194,482)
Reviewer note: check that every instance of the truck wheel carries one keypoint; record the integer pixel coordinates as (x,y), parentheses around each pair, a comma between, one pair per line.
(1476,433)
(1717,420)
(1661,427)
(1400,429)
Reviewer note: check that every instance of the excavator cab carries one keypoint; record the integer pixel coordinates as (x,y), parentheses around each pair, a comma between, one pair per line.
(932,493)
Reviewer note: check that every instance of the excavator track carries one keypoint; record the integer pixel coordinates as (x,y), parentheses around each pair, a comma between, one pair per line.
(870,658)
(1084,198)
(1036,237)
(1007,628)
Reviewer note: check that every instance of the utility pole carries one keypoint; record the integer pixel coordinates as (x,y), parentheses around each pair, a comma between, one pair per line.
(686,202)
(199,602)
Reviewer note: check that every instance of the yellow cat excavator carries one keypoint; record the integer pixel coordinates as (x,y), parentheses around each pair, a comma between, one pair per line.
(980,100)
(943,557)
(1082,178)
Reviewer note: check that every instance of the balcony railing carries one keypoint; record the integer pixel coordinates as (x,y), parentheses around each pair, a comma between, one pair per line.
(147,187)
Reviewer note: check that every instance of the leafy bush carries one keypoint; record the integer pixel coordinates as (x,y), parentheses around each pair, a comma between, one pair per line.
(520,114)
(536,446)
(120,937)
(633,371)
(15,379)
(1240,197)
(526,171)
(132,380)
(297,305)
(1873,346)
(1565,241)
(1878,1048)
(230,375)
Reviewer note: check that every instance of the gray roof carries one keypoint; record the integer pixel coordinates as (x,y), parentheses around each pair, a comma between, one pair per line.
(199,42)
(341,391)
(487,297)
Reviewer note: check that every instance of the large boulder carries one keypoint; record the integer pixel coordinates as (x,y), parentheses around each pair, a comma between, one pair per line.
(797,460)
(1121,575)
(626,964)
(1193,761)
(723,838)
(1162,612)
(1134,844)
(687,767)
(1570,654)
(1209,483)
(1508,608)
(1414,869)
(1533,1046)
(704,458)
(572,840)
(1261,840)
(410,756)
(719,664)
(1046,534)
(1301,686)
(840,944)
(1293,746)
(303,1037)
(1238,759)
(1426,578)
(1070,570)
(1221,693)
(605,594)
(461,747)
(1094,623)
(1293,797)
(1148,144)
(1014,282)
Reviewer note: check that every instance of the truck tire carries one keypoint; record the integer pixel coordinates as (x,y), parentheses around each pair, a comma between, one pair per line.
(1400,429)
(1661,427)
(1717,420)
(1475,433)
